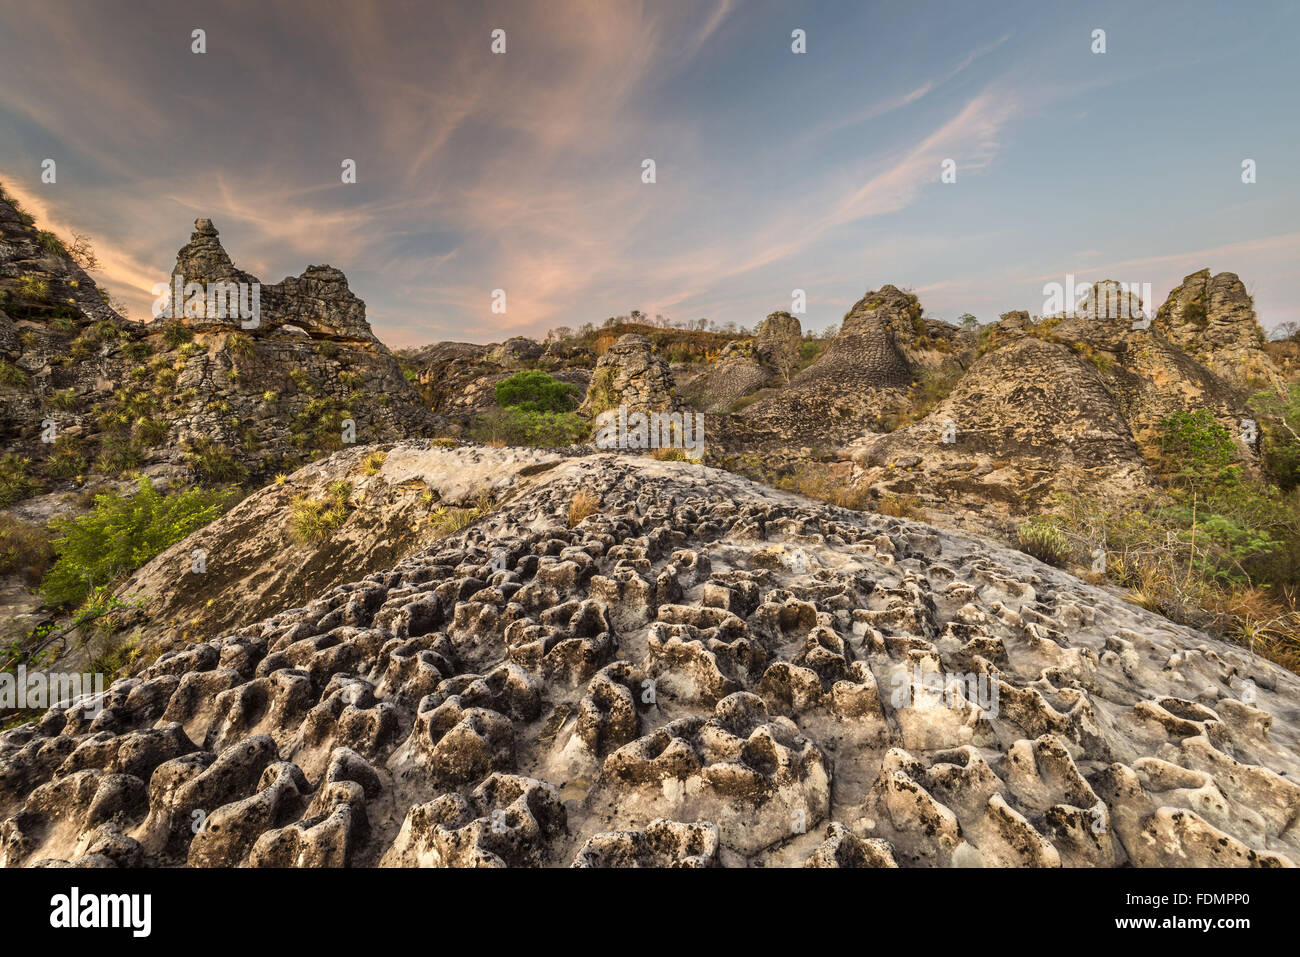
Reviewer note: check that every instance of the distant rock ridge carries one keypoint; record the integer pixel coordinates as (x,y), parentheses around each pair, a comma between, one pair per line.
(319,301)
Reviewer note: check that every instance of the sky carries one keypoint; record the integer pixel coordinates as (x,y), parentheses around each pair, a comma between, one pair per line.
(523,171)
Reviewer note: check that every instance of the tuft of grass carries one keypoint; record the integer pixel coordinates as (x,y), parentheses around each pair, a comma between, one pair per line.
(33,288)
(1045,542)
(241,344)
(12,376)
(373,462)
(315,520)
(176,335)
(15,483)
(901,506)
(64,399)
(585,503)
(214,462)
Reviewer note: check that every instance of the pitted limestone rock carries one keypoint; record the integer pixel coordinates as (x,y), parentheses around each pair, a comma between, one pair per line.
(703,672)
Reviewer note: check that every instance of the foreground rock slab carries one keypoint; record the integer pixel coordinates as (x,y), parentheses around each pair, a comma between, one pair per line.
(701,672)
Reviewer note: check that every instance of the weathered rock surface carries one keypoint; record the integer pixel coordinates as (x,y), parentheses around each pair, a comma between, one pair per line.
(1064,405)
(738,371)
(702,672)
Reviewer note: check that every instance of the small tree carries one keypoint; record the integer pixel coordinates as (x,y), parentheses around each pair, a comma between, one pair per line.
(968,322)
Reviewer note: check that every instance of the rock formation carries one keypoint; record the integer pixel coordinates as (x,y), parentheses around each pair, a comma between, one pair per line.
(702,672)
(631,374)
(318,302)
(1213,320)
(777,342)
(197,397)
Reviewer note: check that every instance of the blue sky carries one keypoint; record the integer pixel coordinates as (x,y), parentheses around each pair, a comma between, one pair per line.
(775,170)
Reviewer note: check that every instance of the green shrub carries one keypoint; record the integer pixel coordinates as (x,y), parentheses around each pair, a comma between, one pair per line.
(514,426)
(214,462)
(1045,542)
(15,484)
(1279,414)
(176,335)
(121,533)
(534,391)
(1198,451)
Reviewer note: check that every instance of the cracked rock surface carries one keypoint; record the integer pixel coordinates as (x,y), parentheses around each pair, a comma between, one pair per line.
(702,673)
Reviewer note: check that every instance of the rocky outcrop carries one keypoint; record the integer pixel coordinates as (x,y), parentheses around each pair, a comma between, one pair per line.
(257,561)
(318,302)
(193,399)
(777,342)
(862,374)
(631,374)
(737,372)
(1071,405)
(459,379)
(701,672)
(1212,319)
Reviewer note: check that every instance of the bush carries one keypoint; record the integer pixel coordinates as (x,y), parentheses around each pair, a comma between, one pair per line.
(214,462)
(514,426)
(24,548)
(15,485)
(121,533)
(1198,452)
(1279,414)
(176,335)
(1045,542)
(534,391)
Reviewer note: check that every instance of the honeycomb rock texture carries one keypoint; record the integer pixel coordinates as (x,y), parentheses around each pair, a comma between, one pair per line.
(702,673)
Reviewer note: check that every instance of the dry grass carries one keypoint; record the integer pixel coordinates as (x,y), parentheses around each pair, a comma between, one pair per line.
(24,548)
(901,506)
(826,484)
(373,462)
(584,503)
